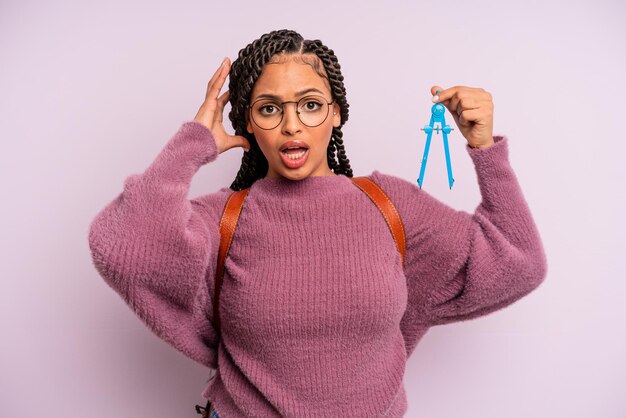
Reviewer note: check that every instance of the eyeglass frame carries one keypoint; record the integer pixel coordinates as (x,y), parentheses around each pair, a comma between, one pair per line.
(282,114)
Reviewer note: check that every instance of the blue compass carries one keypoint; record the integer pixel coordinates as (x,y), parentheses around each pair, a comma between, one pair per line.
(438,110)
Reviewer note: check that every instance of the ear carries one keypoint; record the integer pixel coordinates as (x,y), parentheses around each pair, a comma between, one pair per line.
(336,115)
(248,124)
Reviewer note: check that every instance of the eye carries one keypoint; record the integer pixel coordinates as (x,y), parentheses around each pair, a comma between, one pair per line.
(312,105)
(268,109)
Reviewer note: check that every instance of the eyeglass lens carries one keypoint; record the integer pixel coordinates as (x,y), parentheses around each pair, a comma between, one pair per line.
(311,110)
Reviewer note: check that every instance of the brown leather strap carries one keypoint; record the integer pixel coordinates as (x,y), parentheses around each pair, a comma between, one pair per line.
(233,208)
(228,223)
(388,210)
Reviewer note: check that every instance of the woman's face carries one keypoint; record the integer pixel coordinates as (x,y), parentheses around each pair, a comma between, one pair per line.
(285,78)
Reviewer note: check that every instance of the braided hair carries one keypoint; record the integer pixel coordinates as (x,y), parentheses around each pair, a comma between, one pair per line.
(247,68)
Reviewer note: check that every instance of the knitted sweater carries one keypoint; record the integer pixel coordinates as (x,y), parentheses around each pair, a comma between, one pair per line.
(318,316)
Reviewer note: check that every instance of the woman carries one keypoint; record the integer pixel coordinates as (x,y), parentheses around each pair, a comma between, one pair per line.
(318,314)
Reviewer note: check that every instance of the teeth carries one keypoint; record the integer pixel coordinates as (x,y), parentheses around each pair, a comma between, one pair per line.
(295,156)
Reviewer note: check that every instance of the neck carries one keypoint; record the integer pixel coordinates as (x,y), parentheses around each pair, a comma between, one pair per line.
(311,187)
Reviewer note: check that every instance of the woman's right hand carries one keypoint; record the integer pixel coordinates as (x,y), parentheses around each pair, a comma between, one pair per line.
(211,112)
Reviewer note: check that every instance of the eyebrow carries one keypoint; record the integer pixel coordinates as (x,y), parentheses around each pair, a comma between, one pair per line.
(299,93)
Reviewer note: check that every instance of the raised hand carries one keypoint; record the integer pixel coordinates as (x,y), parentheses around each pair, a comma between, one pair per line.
(211,112)
(472,110)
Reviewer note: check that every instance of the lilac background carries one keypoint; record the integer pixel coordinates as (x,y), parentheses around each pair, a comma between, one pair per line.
(91,91)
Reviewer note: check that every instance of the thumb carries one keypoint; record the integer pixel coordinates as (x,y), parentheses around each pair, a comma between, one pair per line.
(241,141)
(434,89)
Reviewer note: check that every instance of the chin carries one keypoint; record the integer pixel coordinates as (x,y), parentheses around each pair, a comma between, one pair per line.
(295,175)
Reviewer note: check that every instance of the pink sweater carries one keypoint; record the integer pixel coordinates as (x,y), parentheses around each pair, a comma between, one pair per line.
(318,316)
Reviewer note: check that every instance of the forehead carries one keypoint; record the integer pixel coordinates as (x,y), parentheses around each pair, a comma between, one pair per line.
(284,76)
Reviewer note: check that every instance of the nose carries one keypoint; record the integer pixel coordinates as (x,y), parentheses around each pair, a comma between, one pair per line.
(291,122)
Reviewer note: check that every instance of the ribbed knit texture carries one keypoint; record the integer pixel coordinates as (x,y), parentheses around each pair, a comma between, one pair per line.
(318,316)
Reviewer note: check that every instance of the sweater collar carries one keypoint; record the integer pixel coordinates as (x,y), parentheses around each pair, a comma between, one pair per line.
(310,187)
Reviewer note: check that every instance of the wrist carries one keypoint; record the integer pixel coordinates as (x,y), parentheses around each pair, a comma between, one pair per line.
(482,146)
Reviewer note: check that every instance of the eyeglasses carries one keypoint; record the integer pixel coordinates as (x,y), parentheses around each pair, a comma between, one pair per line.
(268,113)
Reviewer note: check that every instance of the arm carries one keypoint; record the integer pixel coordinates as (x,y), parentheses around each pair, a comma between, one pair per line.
(459,265)
(158,250)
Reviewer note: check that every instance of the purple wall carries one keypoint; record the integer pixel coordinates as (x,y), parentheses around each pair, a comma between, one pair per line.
(91,91)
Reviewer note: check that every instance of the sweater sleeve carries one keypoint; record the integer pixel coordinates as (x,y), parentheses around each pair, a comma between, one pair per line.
(458,265)
(158,250)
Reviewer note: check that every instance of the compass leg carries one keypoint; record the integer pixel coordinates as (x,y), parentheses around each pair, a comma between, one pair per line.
(420,180)
(448,164)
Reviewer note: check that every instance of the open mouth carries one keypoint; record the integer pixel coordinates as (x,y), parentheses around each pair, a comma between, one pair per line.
(294,157)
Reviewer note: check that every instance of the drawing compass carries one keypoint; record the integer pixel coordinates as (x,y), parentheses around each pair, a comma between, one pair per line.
(437,117)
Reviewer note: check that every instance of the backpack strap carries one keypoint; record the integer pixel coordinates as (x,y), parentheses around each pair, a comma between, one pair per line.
(388,210)
(228,223)
(233,208)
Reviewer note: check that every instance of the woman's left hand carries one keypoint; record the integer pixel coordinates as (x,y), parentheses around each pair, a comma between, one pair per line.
(472,110)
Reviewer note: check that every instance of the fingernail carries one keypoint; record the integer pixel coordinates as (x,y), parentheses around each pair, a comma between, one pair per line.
(435,99)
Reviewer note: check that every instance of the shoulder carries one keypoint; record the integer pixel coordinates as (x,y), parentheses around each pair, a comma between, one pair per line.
(401,191)
(393,184)
(412,202)
(212,204)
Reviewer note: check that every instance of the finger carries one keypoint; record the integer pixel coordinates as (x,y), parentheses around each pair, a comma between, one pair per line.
(467,117)
(221,102)
(460,99)
(233,141)
(486,95)
(223,99)
(449,99)
(435,90)
(215,79)
(459,104)
(444,94)
(215,75)
(451,96)
(214,90)
(461,120)
(465,98)
(241,141)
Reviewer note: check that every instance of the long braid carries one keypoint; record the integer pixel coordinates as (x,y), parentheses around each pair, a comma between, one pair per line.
(244,72)
(333,69)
